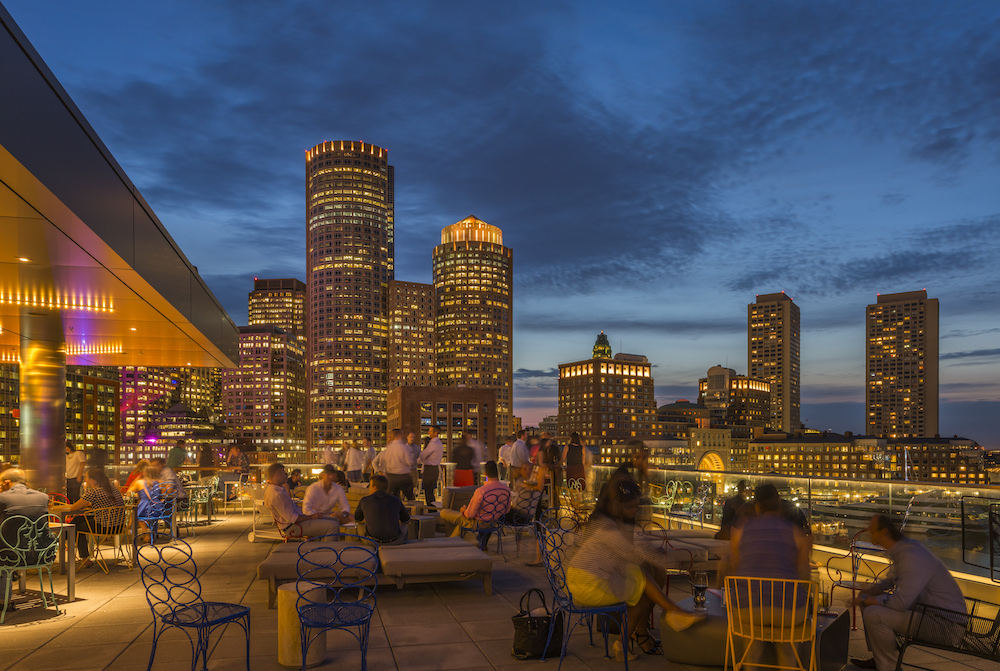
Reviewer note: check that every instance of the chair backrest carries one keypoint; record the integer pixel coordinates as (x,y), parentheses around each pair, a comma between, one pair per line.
(524,507)
(169,575)
(557,534)
(26,542)
(772,609)
(493,508)
(112,520)
(163,497)
(336,568)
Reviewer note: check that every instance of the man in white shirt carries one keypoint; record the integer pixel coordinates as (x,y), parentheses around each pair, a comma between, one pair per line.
(354,462)
(504,456)
(395,463)
(519,456)
(431,457)
(325,497)
(286,514)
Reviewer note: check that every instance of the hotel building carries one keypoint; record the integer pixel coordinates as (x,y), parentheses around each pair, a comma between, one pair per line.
(773,354)
(280,303)
(901,366)
(473,329)
(411,334)
(349,263)
(264,399)
(606,400)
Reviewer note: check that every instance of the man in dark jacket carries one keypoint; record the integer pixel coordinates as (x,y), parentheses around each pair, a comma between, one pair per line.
(384,515)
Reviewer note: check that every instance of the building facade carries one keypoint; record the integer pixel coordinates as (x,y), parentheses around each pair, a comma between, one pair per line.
(453,409)
(901,366)
(735,400)
(773,354)
(281,303)
(607,400)
(92,412)
(411,334)
(473,329)
(264,399)
(349,263)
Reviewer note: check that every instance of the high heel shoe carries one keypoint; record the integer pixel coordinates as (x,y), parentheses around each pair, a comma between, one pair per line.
(648,644)
(620,653)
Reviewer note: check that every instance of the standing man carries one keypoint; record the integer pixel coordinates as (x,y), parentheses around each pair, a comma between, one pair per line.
(503,458)
(284,511)
(519,456)
(394,462)
(354,461)
(414,446)
(731,510)
(431,457)
(916,576)
(325,497)
(369,451)
(177,456)
(76,466)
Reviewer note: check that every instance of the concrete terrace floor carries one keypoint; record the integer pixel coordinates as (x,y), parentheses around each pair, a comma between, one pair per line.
(419,628)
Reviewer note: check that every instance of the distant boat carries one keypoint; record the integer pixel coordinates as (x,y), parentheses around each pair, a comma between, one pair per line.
(930,513)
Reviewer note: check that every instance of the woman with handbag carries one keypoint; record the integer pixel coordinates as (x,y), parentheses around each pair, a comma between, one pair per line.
(608,568)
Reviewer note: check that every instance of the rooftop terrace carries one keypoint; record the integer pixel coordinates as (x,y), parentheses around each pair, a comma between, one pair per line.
(418,628)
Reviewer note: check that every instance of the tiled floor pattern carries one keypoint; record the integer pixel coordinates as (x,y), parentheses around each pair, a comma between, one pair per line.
(419,628)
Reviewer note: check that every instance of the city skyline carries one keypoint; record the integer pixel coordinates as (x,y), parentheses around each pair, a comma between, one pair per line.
(654,168)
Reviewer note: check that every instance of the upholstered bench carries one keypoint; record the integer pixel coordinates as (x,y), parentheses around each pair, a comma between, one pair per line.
(436,560)
(281,565)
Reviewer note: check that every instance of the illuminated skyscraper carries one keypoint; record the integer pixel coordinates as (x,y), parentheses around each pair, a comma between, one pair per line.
(773,355)
(411,334)
(280,303)
(901,365)
(473,283)
(264,399)
(349,263)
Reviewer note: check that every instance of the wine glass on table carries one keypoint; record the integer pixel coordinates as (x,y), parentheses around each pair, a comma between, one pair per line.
(699,582)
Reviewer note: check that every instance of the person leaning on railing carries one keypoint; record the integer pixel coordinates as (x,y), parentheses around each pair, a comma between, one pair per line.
(100,493)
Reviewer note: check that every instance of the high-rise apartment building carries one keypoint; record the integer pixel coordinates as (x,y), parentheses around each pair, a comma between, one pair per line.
(146,393)
(473,331)
(92,411)
(349,263)
(773,354)
(901,366)
(280,303)
(606,400)
(411,334)
(264,399)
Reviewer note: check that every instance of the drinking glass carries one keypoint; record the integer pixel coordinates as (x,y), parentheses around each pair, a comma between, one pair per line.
(700,584)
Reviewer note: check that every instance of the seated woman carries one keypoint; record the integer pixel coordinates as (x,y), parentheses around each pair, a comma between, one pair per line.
(150,490)
(608,568)
(137,471)
(100,493)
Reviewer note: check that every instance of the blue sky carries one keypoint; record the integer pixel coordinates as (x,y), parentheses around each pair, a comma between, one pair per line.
(653,166)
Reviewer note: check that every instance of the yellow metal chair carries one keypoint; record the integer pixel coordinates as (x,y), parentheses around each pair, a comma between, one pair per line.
(771,611)
(109,526)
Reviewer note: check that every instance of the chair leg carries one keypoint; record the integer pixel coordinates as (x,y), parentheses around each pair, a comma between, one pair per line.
(7,578)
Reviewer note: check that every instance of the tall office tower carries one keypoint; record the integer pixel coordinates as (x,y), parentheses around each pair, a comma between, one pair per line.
(200,389)
(773,355)
(264,400)
(473,328)
(349,230)
(606,400)
(146,393)
(411,334)
(92,410)
(901,366)
(280,303)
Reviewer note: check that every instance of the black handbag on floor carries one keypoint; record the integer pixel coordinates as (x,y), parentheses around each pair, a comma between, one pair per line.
(531,631)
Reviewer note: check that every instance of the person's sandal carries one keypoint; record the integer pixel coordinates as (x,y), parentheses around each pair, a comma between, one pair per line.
(648,644)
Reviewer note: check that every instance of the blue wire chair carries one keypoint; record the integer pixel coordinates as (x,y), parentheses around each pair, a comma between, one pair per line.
(173,591)
(336,589)
(521,517)
(490,519)
(557,532)
(163,500)
(27,544)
